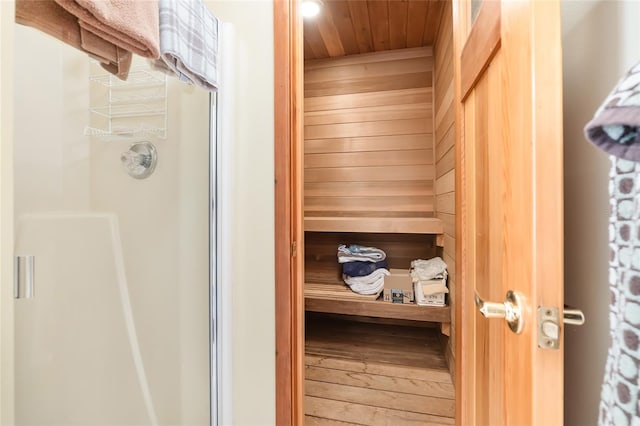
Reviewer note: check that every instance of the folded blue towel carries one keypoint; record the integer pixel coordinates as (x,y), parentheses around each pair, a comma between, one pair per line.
(361,269)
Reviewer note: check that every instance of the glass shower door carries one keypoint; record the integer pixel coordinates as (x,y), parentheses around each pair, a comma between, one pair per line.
(112,206)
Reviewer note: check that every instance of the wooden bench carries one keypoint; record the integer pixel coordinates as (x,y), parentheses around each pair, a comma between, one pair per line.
(400,225)
(324,290)
(339,299)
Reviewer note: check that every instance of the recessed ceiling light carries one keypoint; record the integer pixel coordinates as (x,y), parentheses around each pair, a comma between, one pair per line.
(310,8)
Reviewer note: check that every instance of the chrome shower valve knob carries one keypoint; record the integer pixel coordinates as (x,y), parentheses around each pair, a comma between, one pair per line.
(140,160)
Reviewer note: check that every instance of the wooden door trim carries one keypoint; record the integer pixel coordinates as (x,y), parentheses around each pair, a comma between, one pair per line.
(461,15)
(481,45)
(549,206)
(289,302)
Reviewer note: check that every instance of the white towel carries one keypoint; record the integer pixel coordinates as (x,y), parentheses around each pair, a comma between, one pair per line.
(369,284)
(424,270)
(358,253)
(189,42)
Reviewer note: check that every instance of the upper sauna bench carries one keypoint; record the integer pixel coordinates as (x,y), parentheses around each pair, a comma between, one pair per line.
(404,225)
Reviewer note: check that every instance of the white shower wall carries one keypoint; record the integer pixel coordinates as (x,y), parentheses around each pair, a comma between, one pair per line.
(165,241)
(163,227)
(51,99)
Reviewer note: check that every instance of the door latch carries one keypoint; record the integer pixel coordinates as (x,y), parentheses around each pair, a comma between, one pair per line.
(549,324)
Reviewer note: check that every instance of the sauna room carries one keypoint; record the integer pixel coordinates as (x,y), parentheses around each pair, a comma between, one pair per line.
(379,214)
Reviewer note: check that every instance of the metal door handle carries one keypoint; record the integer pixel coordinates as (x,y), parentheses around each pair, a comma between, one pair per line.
(24,277)
(510,310)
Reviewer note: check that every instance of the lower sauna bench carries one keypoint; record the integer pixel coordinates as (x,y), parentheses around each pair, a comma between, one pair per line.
(360,373)
(325,291)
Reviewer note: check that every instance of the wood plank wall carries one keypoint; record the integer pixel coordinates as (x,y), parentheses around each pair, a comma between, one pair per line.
(444,147)
(368,135)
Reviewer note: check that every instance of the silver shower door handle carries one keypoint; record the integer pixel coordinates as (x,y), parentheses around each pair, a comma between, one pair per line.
(24,277)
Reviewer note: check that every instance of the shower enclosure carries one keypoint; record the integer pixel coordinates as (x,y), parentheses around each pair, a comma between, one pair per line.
(115,243)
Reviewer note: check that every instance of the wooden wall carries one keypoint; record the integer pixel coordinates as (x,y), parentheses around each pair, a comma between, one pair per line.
(368,130)
(444,145)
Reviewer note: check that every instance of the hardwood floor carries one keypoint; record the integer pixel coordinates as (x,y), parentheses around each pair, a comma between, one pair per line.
(375,374)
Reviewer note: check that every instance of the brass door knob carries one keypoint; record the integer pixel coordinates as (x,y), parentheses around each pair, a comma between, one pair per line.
(510,310)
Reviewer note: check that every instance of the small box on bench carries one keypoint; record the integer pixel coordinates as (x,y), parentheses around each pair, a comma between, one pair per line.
(398,287)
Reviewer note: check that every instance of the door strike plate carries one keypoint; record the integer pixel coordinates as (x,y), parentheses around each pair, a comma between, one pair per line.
(548,327)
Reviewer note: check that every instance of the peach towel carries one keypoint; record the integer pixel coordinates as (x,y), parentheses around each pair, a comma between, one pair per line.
(130,24)
(119,60)
(50,18)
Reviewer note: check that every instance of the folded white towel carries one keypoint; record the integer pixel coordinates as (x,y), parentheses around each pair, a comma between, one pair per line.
(189,42)
(424,270)
(375,288)
(358,253)
(369,284)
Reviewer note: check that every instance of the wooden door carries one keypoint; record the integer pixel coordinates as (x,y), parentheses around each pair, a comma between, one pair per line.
(509,207)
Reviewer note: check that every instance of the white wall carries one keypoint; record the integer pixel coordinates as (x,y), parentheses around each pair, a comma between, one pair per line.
(600,43)
(252,236)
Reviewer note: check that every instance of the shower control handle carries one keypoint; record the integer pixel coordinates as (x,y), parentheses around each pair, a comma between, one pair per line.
(140,160)
(131,159)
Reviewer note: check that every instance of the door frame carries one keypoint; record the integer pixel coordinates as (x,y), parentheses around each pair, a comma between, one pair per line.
(289,233)
(288,213)
(460,13)
(7,12)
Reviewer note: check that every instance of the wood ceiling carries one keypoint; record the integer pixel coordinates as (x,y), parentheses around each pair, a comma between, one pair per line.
(347,27)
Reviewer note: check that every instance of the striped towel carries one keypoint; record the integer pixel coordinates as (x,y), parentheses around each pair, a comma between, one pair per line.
(188,42)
